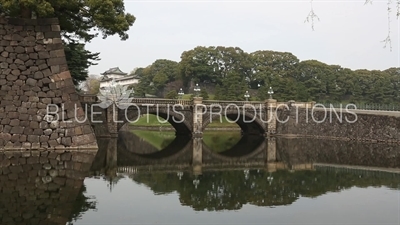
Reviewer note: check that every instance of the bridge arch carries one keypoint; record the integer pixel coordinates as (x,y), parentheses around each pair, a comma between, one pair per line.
(256,126)
(179,119)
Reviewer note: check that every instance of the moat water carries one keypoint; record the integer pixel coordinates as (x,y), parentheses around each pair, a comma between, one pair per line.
(151,177)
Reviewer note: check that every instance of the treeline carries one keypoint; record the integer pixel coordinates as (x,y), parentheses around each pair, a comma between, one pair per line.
(227,72)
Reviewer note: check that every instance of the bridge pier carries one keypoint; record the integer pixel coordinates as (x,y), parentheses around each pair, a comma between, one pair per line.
(271,105)
(197,117)
(112,117)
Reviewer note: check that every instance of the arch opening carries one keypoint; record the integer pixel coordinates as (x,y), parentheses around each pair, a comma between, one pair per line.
(248,123)
(142,144)
(158,120)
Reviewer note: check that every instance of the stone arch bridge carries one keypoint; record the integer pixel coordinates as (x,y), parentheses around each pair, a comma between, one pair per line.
(188,117)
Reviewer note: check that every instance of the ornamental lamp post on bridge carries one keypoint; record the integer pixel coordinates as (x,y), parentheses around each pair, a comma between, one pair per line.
(180,93)
(270,92)
(197,90)
(247,96)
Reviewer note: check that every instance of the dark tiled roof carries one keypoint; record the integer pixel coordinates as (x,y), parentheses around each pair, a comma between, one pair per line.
(115,70)
(105,78)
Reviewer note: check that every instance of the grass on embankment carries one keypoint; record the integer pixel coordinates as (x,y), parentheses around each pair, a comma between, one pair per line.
(151,120)
(159,140)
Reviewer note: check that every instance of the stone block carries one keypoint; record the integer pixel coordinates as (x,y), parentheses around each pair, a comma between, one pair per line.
(14,75)
(31,82)
(44,55)
(17,130)
(26,145)
(52,143)
(55,28)
(56,61)
(83,139)
(19,49)
(38,75)
(22,138)
(52,34)
(54,46)
(14,122)
(23,57)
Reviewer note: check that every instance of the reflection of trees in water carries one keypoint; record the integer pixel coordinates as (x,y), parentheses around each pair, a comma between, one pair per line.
(230,190)
(82,204)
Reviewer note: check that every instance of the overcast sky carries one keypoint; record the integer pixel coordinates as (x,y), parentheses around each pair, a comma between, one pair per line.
(349,33)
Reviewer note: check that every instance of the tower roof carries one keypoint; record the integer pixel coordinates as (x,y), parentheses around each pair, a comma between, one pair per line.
(115,70)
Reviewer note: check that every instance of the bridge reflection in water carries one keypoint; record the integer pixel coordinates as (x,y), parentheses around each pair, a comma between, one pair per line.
(261,172)
(181,152)
(48,187)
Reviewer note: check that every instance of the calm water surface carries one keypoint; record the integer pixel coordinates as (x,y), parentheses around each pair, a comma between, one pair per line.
(148,177)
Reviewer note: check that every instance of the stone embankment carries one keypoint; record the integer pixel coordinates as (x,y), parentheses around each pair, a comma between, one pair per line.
(355,125)
(35,81)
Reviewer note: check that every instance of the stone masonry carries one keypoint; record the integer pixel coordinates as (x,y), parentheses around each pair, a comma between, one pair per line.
(35,80)
(360,126)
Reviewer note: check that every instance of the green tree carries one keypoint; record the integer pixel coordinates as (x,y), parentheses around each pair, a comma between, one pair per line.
(218,92)
(154,78)
(196,65)
(171,95)
(204,94)
(79,60)
(233,88)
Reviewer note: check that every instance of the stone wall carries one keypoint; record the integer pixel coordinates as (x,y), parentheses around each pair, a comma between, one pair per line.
(376,127)
(33,75)
(41,187)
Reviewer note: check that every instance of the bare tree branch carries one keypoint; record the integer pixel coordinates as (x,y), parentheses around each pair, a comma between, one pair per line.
(311,16)
(387,40)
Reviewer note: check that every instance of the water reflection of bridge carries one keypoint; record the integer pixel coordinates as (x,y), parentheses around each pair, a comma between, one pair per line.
(270,154)
(184,152)
(47,187)
(268,167)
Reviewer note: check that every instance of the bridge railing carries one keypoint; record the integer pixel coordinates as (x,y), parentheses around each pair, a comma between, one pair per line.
(299,104)
(233,103)
(161,101)
(374,107)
